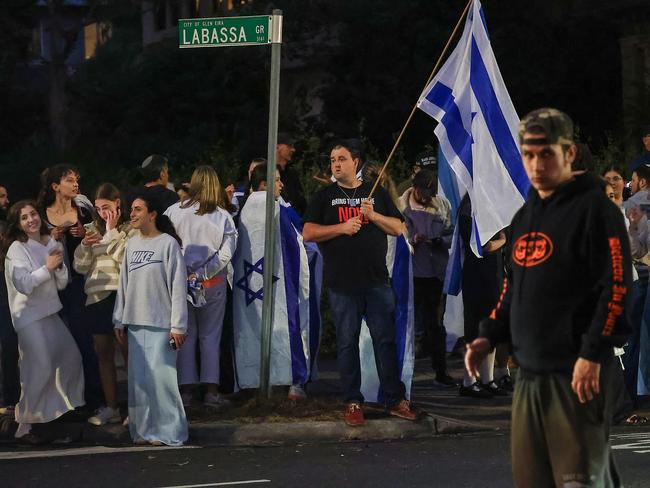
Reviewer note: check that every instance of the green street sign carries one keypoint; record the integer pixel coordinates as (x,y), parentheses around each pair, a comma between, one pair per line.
(224,31)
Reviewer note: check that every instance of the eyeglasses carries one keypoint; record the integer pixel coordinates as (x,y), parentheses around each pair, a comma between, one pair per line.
(613,179)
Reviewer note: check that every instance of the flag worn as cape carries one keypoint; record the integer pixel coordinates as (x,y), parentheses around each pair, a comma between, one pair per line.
(290,359)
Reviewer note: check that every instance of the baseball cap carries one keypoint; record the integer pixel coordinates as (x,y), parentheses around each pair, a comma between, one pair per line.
(426,159)
(554,124)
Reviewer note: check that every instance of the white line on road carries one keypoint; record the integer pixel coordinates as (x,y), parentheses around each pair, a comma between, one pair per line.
(224,483)
(84,451)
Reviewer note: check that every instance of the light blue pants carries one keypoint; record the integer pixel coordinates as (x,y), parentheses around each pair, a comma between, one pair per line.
(155,407)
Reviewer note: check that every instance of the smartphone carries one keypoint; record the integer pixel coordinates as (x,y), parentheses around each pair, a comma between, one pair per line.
(90,227)
(172,343)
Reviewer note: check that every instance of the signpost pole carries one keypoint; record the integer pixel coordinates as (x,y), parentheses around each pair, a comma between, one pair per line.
(270,230)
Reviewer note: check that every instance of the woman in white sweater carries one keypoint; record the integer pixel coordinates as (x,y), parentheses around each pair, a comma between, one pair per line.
(51,374)
(151,303)
(209,237)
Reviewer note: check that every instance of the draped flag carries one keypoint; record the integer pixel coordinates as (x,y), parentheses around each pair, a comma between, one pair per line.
(398,261)
(290,358)
(477,130)
(315,259)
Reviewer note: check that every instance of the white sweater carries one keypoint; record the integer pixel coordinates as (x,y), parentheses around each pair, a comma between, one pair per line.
(153,285)
(209,240)
(31,288)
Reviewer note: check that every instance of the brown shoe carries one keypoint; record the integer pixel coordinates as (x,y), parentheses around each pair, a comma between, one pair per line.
(404,410)
(353,415)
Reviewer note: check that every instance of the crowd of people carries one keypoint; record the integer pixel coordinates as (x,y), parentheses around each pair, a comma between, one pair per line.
(146,271)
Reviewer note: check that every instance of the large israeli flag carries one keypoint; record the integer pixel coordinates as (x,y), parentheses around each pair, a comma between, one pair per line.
(290,340)
(398,262)
(477,130)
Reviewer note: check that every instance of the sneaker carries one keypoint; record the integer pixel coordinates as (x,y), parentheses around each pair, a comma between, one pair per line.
(445,381)
(494,389)
(126,422)
(296,393)
(353,415)
(105,415)
(506,383)
(187,398)
(474,391)
(215,401)
(404,410)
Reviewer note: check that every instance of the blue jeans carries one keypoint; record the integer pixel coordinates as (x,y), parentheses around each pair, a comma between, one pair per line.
(377,304)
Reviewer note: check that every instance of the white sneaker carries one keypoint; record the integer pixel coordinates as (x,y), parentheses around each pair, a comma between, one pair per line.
(126,422)
(105,415)
(296,393)
(215,401)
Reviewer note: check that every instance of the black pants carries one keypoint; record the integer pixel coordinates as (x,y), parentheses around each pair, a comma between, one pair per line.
(555,439)
(427,295)
(9,359)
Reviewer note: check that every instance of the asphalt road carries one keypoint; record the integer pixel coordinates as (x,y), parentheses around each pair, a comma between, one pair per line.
(479,460)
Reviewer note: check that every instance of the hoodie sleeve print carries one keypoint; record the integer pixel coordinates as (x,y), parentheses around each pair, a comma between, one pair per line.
(496,327)
(177,282)
(611,264)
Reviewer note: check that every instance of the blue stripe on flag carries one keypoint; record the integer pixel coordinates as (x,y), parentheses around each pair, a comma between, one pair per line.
(460,140)
(496,122)
(315,280)
(291,259)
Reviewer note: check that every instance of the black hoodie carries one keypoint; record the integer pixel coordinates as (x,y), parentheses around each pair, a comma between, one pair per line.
(569,283)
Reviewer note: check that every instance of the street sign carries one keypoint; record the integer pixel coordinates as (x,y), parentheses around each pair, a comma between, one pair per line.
(224,31)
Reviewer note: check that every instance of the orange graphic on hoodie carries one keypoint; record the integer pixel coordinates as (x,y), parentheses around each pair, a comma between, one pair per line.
(532,249)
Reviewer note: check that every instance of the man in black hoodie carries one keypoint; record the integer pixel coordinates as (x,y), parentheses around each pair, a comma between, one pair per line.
(564,307)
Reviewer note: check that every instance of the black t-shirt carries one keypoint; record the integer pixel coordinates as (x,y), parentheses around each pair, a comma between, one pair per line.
(354,262)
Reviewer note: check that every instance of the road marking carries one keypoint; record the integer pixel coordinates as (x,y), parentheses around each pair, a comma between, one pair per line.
(638,442)
(85,451)
(224,483)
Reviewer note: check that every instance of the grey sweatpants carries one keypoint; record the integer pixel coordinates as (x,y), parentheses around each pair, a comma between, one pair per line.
(558,441)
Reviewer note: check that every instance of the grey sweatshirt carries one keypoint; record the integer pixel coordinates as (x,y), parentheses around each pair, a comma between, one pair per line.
(153,285)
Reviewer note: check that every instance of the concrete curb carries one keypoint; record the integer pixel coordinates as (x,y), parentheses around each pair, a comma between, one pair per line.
(231,433)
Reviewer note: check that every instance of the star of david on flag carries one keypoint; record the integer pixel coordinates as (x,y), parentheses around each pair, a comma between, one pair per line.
(244,283)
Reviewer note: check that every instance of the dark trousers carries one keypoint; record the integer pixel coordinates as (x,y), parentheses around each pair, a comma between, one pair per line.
(427,295)
(555,439)
(73,299)
(377,305)
(9,359)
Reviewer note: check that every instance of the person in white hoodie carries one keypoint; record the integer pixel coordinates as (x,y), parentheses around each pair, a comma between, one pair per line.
(209,236)
(151,303)
(51,374)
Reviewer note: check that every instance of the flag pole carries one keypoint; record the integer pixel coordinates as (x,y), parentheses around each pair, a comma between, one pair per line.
(408,121)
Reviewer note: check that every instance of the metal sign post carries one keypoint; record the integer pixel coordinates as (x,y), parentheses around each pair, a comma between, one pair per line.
(250,31)
(269,230)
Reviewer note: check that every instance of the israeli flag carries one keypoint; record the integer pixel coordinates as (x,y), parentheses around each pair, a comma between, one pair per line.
(398,262)
(290,356)
(315,259)
(477,130)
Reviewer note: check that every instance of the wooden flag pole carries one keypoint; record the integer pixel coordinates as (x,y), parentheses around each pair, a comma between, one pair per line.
(408,121)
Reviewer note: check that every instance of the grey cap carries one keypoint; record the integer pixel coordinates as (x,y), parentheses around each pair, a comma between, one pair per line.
(553,123)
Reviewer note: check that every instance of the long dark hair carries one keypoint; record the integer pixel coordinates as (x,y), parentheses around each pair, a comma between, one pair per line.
(108,191)
(49,177)
(13,231)
(162,222)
